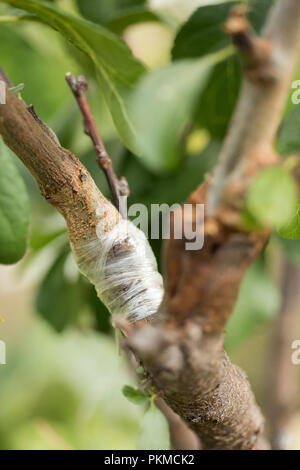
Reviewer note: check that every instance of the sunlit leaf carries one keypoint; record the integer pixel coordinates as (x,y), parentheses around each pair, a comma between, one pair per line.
(116,67)
(291,229)
(135,395)
(272,197)
(162,105)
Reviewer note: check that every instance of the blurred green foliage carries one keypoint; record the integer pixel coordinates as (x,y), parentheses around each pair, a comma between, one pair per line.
(272,197)
(169,95)
(117,69)
(288,137)
(154,434)
(203,34)
(14,210)
(64,390)
(101,12)
(258,303)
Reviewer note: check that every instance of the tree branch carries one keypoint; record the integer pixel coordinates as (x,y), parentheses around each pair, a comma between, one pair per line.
(63,180)
(187,361)
(248,145)
(67,185)
(117,187)
(183,348)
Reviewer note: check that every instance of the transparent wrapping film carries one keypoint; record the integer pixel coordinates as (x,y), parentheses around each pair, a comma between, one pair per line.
(123,269)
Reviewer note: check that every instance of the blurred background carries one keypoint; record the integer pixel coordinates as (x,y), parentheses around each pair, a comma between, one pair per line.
(62,385)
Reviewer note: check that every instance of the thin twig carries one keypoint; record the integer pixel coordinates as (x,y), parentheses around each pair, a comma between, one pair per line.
(118,188)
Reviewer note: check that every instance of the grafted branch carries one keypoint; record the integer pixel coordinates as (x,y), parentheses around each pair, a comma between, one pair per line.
(67,185)
(188,362)
(183,349)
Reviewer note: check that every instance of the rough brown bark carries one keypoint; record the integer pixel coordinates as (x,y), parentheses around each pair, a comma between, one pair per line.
(68,186)
(214,384)
(64,182)
(183,348)
(187,362)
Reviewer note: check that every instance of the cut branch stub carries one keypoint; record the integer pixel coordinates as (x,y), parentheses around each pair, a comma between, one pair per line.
(255,51)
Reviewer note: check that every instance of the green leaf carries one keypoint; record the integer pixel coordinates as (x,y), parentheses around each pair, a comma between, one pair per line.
(100,313)
(258,303)
(291,229)
(161,106)
(135,395)
(176,187)
(154,434)
(203,34)
(17,89)
(40,238)
(219,100)
(14,210)
(289,137)
(291,249)
(102,10)
(258,11)
(59,299)
(140,370)
(117,24)
(272,197)
(117,69)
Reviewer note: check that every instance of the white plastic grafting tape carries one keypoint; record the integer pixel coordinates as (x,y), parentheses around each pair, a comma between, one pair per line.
(123,269)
